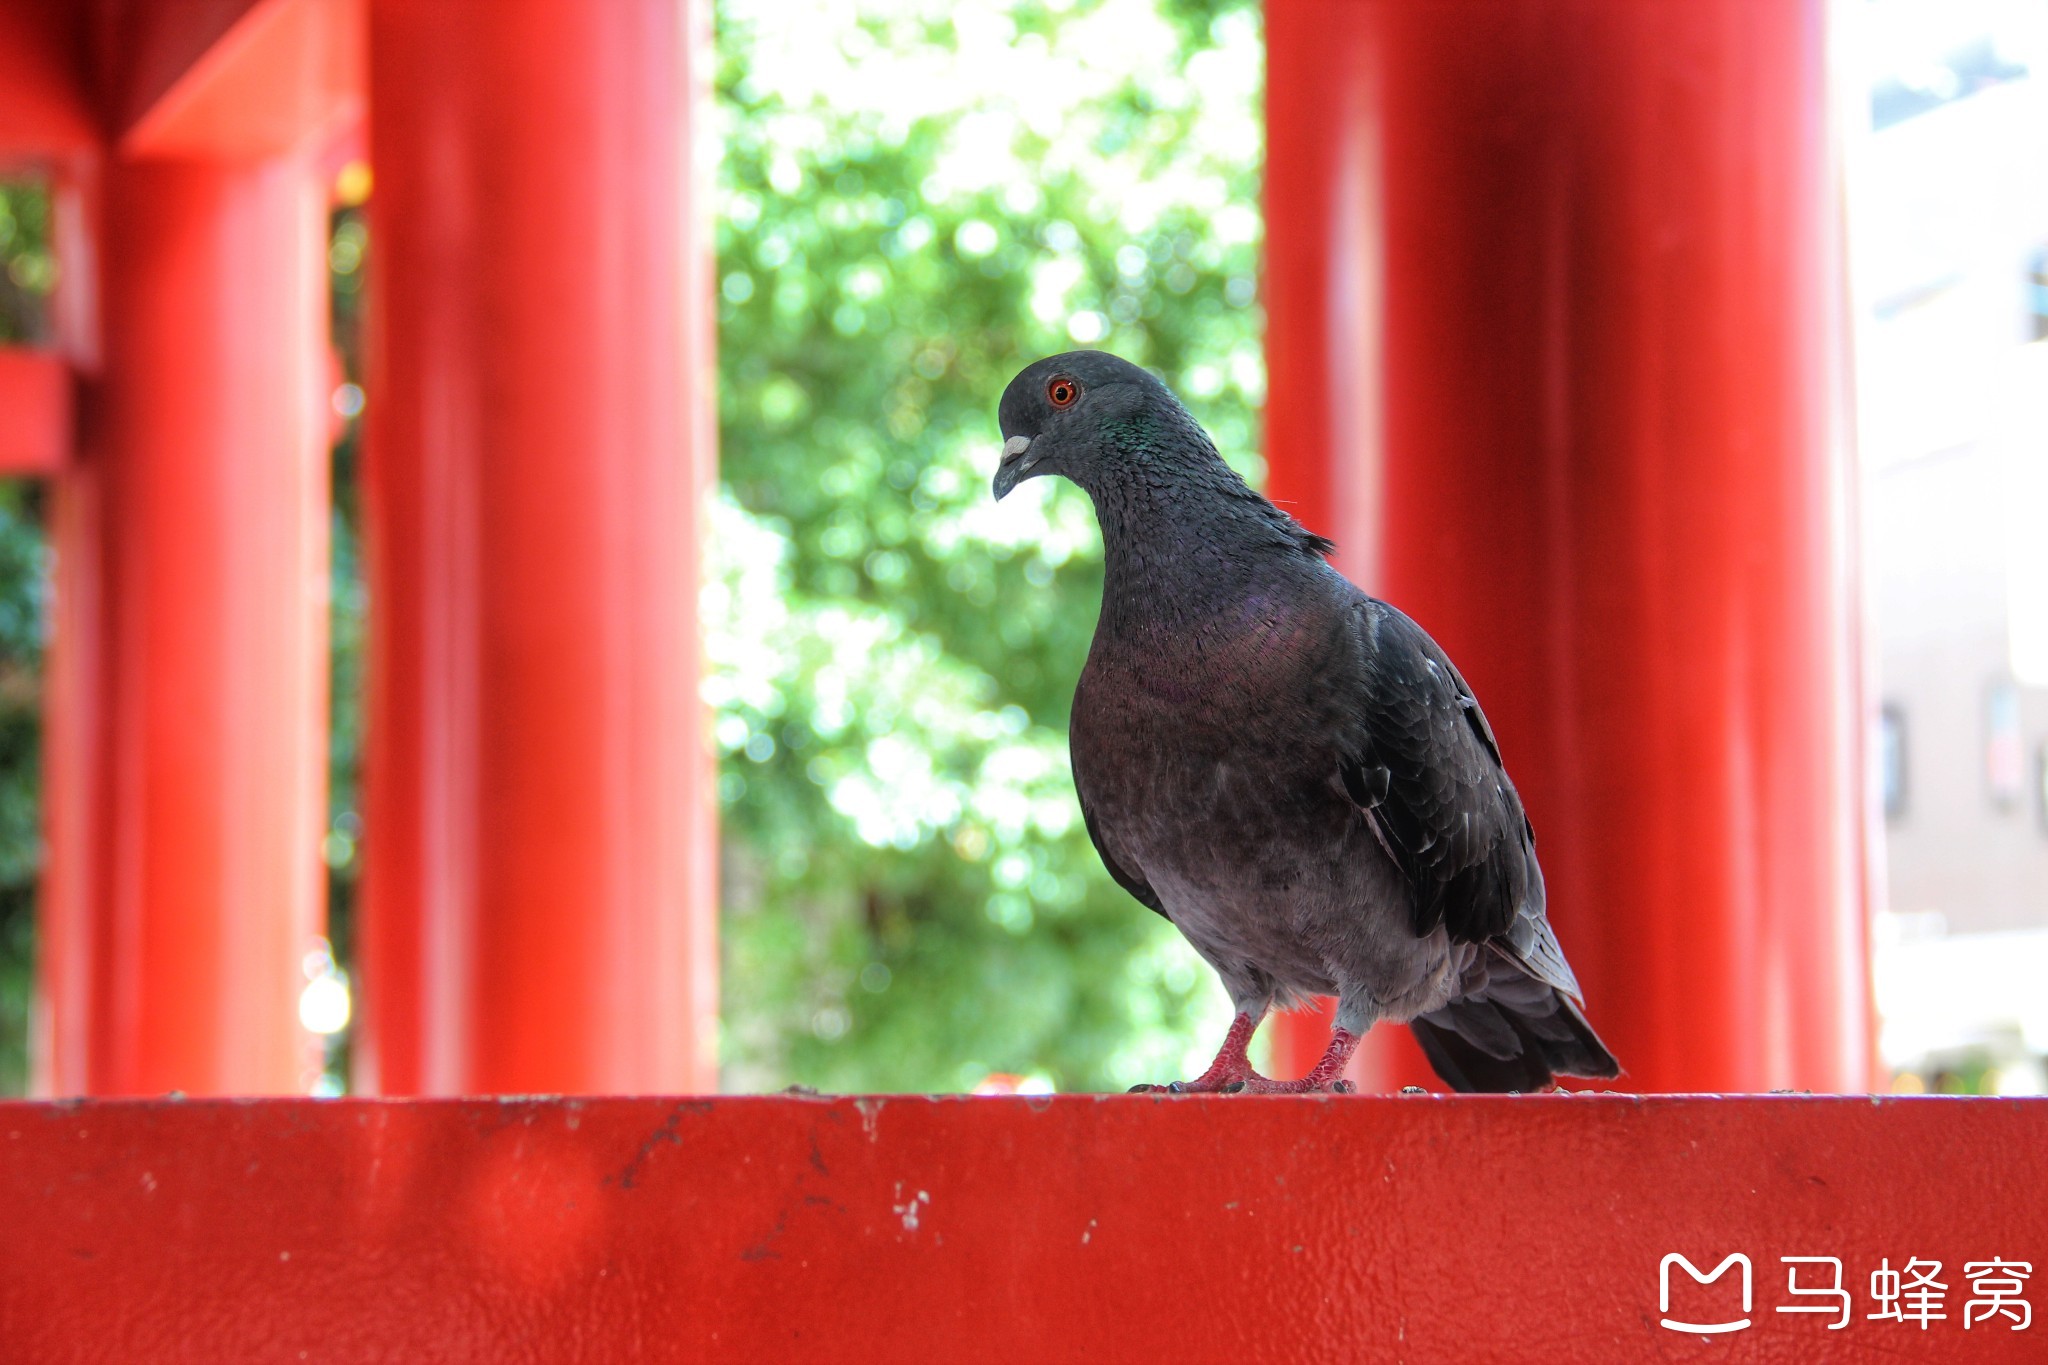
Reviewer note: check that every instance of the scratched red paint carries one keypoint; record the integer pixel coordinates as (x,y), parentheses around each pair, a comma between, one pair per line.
(1416,1229)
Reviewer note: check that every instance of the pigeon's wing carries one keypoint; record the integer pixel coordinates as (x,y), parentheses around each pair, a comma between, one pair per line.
(1419,758)
(1128,880)
(1422,763)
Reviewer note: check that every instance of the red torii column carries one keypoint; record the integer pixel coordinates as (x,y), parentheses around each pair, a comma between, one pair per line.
(185,754)
(1556,316)
(188,715)
(539,893)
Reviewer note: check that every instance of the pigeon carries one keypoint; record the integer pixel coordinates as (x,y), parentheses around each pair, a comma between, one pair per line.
(1290,771)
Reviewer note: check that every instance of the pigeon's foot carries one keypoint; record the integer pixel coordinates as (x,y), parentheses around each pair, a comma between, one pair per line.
(1308,1085)
(1251,1083)
(1200,1085)
(1228,1073)
(1326,1078)
(1231,1073)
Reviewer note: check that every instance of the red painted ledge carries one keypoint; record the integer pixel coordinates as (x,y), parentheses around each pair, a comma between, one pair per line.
(1418,1229)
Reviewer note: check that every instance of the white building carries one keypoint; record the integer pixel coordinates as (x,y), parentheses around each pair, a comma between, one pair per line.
(1949,240)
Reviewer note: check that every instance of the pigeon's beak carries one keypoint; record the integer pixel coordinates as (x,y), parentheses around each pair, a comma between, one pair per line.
(1016,465)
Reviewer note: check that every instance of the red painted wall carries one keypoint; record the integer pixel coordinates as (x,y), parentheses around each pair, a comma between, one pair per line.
(1078,1228)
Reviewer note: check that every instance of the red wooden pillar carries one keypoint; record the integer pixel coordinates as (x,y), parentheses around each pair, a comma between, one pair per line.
(539,890)
(1555,349)
(185,753)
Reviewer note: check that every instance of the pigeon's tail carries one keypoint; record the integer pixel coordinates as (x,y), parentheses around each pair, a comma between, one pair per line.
(1517,1033)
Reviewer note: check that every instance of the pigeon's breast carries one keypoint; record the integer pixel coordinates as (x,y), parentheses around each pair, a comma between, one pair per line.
(1226,667)
(1211,771)
(1215,735)
(1235,814)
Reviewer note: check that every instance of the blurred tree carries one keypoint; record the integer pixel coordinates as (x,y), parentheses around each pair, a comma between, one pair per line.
(26,273)
(347,258)
(911,901)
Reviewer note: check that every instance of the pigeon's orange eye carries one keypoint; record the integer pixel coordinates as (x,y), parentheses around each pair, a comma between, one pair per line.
(1062,391)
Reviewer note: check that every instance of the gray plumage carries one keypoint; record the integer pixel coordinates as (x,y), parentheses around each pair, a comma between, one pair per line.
(1289,770)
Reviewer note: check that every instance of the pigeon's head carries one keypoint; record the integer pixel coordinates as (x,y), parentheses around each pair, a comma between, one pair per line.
(1061,415)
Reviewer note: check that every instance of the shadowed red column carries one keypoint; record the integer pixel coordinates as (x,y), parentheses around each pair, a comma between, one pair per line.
(1554,294)
(185,752)
(539,892)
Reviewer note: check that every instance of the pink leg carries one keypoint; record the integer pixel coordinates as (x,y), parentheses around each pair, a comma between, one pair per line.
(1229,1071)
(1327,1077)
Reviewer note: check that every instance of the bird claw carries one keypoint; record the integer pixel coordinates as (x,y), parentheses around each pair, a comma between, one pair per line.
(1199,1086)
(1247,1085)
(1264,1085)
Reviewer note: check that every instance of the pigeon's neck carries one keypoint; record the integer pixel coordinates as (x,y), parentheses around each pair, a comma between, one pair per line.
(1187,542)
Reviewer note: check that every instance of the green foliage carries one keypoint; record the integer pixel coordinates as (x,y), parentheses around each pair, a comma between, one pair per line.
(27,267)
(911,899)
(347,618)
(26,274)
(24,576)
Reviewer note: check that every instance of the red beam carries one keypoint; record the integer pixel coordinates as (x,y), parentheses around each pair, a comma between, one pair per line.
(1554,302)
(44,110)
(539,895)
(141,50)
(233,79)
(35,412)
(1080,1228)
(185,753)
